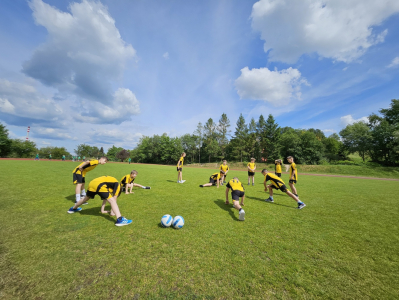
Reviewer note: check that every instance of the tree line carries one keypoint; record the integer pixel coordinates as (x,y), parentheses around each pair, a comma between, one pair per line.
(263,139)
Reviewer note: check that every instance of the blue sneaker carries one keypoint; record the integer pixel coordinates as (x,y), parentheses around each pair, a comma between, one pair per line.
(269,200)
(71,210)
(302,205)
(122,221)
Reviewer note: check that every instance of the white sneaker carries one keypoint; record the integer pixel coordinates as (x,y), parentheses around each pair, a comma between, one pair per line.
(241,215)
(183,181)
(178,181)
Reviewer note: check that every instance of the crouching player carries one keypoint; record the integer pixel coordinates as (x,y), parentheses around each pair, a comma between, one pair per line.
(127,182)
(237,192)
(108,189)
(213,180)
(278,184)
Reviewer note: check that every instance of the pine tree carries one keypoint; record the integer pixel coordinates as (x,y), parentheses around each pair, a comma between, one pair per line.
(223,131)
(240,139)
(271,140)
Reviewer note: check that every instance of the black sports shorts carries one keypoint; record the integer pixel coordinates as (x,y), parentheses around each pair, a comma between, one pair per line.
(237,194)
(251,173)
(179,169)
(213,181)
(292,181)
(278,174)
(78,178)
(282,188)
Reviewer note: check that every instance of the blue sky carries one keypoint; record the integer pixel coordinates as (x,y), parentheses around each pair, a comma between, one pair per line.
(108,72)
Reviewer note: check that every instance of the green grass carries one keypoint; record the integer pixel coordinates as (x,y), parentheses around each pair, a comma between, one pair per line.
(343,245)
(360,171)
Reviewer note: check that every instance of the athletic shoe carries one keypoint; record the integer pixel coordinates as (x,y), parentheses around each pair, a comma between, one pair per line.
(183,181)
(248,183)
(71,210)
(241,215)
(269,200)
(122,221)
(300,206)
(201,185)
(147,187)
(221,183)
(224,181)
(253,184)
(178,181)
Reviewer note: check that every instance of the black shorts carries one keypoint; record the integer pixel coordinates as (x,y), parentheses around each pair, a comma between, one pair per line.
(222,174)
(213,181)
(179,169)
(103,195)
(292,181)
(282,188)
(236,195)
(278,174)
(78,178)
(251,173)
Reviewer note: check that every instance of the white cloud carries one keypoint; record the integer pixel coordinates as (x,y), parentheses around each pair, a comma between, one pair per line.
(50,133)
(21,101)
(328,130)
(337,29)
(116,136)
(275,87)
(84,52)
(394,63)
(348,120)
(124,105)
(166,55)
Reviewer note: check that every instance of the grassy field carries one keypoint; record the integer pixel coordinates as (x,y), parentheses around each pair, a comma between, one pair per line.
(343,245)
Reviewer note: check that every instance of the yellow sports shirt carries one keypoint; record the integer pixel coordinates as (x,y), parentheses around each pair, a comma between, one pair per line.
(104,184)
(92,164)
(278,167)
(274,179)
(126,179)
(235,185)
(180,162)
(251,165)
(293,172)
(224,168)
(215,176)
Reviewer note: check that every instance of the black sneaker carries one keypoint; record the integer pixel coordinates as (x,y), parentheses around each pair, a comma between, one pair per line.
(269,200)
(302,205)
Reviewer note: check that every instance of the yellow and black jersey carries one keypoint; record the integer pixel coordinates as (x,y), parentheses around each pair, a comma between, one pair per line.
(277,167)
(274,179)
(92,164)
(235,185)
(224,168)
(126,180)
(215,176)
(180,162)
(251,165)
(293,172)
(104,184)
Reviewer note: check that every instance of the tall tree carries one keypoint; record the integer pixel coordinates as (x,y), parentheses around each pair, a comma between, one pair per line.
(240,139)
(5,141)
(122,155)
(260,128)
(212,146)
(271,139)
(223,133)
(199,132)
(23,148)
(252,138)
(357,138)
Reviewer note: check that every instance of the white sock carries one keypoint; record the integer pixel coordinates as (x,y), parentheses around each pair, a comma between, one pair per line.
(143,187)
(77,197)
(83,192)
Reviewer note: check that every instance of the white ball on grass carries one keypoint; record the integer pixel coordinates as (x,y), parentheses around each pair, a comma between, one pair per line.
(166,221)
(178,222)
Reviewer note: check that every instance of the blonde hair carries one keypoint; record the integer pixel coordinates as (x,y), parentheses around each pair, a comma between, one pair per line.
(134,172)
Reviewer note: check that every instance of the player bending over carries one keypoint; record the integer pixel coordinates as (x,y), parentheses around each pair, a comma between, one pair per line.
(237,192)
(127,182)
(180,168)
(213,180)
(224,169)
(79,174)
(278,184)
(108,189)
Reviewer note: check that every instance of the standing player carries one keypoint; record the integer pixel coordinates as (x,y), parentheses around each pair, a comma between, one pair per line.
(49,157)
(251,171)
(108,189)
(79,174)
(37,156)
(278,184)
(224,169)
(128,182)
(180,168)
(237,192)
(213,180)
(277,169)
(129,160)
(293,175)
(63,157)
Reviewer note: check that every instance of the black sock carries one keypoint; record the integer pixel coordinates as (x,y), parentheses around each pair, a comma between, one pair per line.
(240,209)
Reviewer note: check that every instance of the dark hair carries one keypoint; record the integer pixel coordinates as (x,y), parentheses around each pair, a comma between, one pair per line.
(264,170)
(290,157)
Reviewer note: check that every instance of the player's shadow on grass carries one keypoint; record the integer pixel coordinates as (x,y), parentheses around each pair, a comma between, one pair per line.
(71,198)
(95,211)
(227,208)
(172,181)
(263,200)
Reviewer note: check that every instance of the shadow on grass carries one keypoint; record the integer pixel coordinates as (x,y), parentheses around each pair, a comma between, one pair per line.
(175,181)
(95,211)
(263,200)
(71,198)
(227,208)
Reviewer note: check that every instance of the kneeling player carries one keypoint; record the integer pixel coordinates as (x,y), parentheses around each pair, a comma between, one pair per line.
(237,192)
(213,180)
(278,184)
(108,189)
(128,182)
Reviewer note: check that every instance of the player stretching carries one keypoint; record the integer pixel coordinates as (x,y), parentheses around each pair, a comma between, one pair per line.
(278,184)
(128,182)
(79,174)
(224,169)
(108,189)
(237,192)
(293,175)
(180,168)
(213,180)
